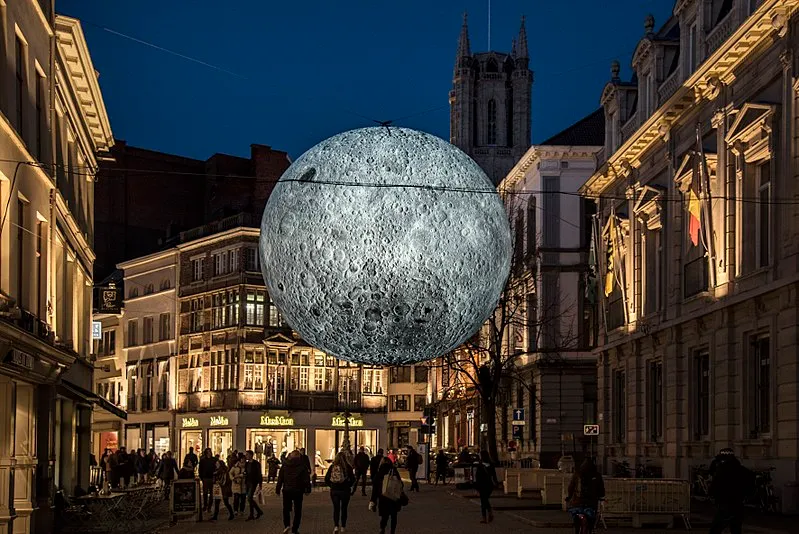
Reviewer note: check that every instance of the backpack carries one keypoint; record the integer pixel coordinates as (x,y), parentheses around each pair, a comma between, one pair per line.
(337,475)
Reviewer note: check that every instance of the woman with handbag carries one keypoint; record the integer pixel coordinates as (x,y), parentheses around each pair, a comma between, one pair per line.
(222,489)
(387,495)
(341,480)
(236,474)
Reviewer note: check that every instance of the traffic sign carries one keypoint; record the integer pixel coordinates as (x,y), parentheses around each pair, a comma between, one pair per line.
(517,432)
(518,415)
(511,446)
(591,430)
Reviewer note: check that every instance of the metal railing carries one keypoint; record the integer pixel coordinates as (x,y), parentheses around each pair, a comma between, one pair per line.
(629,127)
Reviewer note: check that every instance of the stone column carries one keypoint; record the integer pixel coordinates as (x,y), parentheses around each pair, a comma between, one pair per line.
(25,457)
(7,416)
(65,464)
(83,420)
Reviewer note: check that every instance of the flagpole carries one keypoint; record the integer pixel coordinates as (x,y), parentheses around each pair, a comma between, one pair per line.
(603,269)
(706,230)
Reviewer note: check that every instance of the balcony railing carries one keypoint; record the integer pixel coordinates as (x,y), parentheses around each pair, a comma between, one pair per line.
(669,86)
(629,127)
(146,403)
(695,277)
(720,33)
(131,403)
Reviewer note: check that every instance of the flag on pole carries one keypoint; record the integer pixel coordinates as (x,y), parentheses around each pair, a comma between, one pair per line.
(609,278)
(694,209)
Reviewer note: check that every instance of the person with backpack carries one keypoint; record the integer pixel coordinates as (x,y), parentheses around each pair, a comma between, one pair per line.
(412,462)
(387,495)
(485,480)
(341,480)
(586,489)
(294,480)
(729,487)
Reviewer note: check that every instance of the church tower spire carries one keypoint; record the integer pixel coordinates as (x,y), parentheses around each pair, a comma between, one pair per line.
(464,50)
(521,48)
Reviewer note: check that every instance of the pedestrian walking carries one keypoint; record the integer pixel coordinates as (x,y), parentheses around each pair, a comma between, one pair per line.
(442,464)
(412,463)
(374,465)
(222,490)
(485,482)
(342,482)
(207,468)
(272,465)
(187,471)
(294,480)
(191,458)
(237,486)
(392,455)
(141,466)
(729,487)
(253,478)
(387,495)
(361,470)
(167,470)
(585,491)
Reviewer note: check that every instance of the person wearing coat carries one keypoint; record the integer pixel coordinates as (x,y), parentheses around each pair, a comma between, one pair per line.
(442,464)
(585,491)
(141,466)
(341,480)
(166,471)
(386,508)
(485,482)
(236,475)
(414,459)
(272,465)
(222,490)
(253,478)
(294,480)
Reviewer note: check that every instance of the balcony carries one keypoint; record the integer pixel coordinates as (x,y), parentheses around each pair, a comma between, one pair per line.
(629,127)
(695,277)
(669,86)
(720,33)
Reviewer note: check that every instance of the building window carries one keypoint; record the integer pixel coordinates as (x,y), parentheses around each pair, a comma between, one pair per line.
(148,289)
(701,375)
(759,386)
(655,400)
(254,308)
(133,334)
(400,375)
(532,237)
(763,216)
(196,315)
(148,330)
(251,260)
(233,260)
(619,407)
(653,270)
(20,83)
(197,269)
(220,260)
(164,326)
(419,402)
(400,403)
(108,345)
(693,48)
(491,133)
(41,123)
(165,284)
(275,319)
(420,372)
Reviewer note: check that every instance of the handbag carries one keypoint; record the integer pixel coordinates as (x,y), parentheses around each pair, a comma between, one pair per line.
(392,487)
(217,491)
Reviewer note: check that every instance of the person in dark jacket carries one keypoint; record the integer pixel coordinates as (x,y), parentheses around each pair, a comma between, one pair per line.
(186,472)
(294,480)
(307,460)
(272,465)
(253,478)
(386,508)
(206,470)
(412,462)
(485,481)
(374,465)
(586,489)
(729,486)
(340,478)
(142,468)
(223,482)
(442,464)
(166,471)
(361,470)
(191,458)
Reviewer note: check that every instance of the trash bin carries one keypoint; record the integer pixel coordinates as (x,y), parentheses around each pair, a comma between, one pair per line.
(566,464)
(790,498)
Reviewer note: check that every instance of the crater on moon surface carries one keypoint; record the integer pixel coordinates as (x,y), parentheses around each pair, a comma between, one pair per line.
(384,275)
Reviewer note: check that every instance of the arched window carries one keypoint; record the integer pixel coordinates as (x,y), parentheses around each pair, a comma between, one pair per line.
(148,289)
(491,134)
(133,293)
(165,284)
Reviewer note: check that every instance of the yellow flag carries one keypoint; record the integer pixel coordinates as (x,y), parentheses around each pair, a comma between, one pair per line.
(609,278)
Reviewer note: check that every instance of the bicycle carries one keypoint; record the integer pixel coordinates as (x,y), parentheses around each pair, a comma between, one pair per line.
(764,498)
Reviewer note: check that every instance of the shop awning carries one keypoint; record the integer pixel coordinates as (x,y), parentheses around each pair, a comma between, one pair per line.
(80,394)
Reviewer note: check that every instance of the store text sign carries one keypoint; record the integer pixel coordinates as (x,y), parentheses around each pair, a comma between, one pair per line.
(219,420)
(190,422)
(277,420)
(341,421)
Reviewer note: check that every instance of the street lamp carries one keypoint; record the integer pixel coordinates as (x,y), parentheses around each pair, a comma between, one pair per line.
(345,444)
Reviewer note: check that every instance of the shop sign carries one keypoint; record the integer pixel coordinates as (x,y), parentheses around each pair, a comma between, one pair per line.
(97,330)
(190,422)
(354,421)
(399,424)
(21,359)
(277,420)
(219,420)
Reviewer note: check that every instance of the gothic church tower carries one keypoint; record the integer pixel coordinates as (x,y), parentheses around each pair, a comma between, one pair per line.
(490,104)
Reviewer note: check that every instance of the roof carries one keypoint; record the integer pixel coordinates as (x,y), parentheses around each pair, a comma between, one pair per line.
(588,131)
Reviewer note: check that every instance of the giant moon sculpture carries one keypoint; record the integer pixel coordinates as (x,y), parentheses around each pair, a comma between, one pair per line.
(385,246)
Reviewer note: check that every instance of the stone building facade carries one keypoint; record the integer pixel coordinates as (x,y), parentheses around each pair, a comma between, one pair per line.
(490,104)
(53,130)
(699,237)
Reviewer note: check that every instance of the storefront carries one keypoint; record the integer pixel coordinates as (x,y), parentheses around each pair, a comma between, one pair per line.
(203,430)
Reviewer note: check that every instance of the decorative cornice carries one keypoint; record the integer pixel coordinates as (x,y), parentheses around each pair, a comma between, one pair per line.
(721,65)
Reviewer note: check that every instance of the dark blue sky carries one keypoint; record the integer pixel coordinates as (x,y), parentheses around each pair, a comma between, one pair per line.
(304,63)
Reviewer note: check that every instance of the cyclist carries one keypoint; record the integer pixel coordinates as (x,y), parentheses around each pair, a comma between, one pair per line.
(586,489)
(730,485)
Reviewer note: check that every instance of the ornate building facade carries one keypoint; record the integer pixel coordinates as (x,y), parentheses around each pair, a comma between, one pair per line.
(490,104)
(699,242)
(53,130)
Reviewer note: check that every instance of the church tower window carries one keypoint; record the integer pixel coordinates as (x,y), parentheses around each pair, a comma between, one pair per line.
(491,134)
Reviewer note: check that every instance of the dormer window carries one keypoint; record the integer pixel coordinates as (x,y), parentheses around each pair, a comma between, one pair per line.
(693,48)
